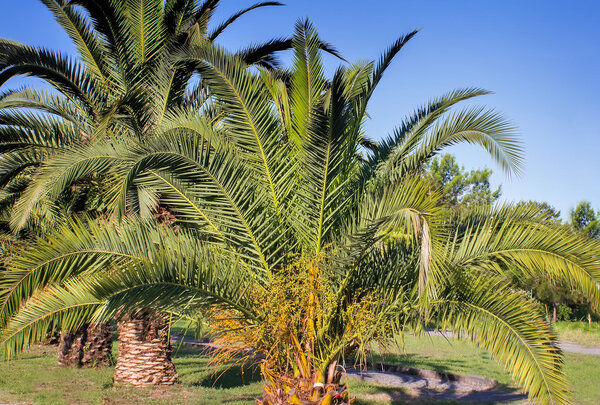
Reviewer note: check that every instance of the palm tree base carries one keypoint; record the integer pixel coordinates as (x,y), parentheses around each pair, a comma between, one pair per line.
(144,352)
(90,345)
(303,391)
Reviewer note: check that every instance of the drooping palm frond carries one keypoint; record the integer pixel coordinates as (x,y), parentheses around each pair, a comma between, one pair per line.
(121,268)
(511,241)
(46,102)
(509,325)
(479,126)
(70,249)
(65,74)
(217,31)
(58,173)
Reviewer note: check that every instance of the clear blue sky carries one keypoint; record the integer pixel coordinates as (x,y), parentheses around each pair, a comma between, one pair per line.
(541,58)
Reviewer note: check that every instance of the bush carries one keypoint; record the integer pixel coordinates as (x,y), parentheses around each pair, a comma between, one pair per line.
(564,312)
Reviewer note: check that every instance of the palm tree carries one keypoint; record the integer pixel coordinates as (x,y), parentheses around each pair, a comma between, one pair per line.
(297,243)
(122,83)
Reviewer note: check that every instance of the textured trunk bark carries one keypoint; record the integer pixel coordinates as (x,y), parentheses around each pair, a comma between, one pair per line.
(90,345)
(554,307)
(144,351)
(305,391)
(52,338)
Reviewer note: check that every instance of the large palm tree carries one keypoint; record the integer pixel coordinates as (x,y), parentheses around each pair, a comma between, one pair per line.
(123,81)
(296,242)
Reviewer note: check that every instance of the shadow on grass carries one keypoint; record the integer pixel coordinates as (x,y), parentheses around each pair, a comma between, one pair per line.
(231,377)
(194,369)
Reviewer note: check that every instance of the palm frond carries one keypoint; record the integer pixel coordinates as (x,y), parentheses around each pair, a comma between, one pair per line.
(507,324)
(217,31)
(91,48)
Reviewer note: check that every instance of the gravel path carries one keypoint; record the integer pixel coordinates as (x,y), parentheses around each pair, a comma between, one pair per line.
(434,389)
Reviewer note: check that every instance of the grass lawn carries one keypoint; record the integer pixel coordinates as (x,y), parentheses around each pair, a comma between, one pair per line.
(579,332)
(35,378)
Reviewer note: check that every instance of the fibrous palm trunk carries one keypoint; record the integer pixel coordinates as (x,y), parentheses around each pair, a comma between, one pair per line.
(90,345)
(144,351)
(298,390)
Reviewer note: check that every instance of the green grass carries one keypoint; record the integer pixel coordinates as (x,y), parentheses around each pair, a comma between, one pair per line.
(34,377)
(582,372)
(579,332)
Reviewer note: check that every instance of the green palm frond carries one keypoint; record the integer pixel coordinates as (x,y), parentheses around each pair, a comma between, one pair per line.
(509,242)
(66,75)
(145,27)
(59,172)
(44,101)
(386,59)
(510,327)
(326,155)
(92,50)
(19,163)
(217,31)
(478,126)
(180,276)
(25,129)
(410,132)
(70,249)
(308,81)
(186,173)
(249,124)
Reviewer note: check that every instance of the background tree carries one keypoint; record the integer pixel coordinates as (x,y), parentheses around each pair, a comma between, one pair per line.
(459,187)
(584,219)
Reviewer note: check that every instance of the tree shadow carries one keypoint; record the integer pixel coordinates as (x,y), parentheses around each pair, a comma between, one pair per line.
(231,376)
(194,369)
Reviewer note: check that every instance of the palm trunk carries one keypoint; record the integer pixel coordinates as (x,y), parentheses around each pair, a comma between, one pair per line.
(298,390)
(144,351)
(90,345)
(52,338)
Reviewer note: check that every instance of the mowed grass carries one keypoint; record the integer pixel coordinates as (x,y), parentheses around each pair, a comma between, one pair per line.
(35,378)
(584,333)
